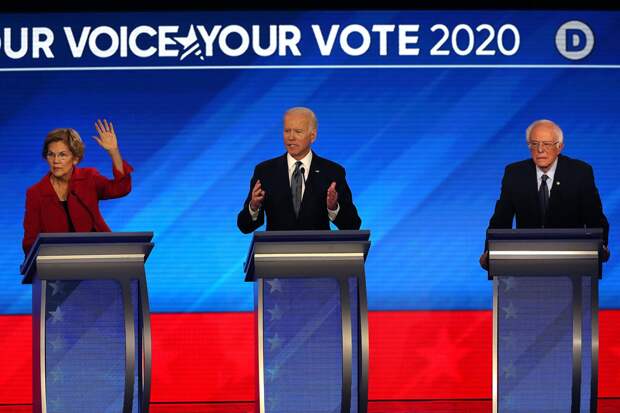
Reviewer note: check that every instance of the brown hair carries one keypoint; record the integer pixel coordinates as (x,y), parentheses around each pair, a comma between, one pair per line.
(70,137)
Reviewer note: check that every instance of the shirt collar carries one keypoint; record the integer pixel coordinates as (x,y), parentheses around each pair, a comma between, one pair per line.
(550,173)
(306,161)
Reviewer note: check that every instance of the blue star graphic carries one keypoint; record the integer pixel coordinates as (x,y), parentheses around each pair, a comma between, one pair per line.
(276,313)
(275,342)
(56,315)
(56,288)
(274,285)
(511,311)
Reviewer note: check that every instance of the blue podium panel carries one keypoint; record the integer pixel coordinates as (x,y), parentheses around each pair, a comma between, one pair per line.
(540,321)
(137,382)
(84,346)
(355,341)
(588,403)
(302,342)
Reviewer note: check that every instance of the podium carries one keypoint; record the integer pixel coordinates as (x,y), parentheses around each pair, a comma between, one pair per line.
(545,319)
(91,329)
(311,320)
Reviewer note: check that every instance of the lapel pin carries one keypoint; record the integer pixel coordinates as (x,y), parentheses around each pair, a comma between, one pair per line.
(558,183)
(316,171)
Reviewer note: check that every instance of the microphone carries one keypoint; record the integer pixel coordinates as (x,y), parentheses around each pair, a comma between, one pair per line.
(90,214)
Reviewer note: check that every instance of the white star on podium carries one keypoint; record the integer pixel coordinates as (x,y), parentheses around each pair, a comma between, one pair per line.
(56,315)
(274,285)
(56,288)
(511,311)
(509,283)
(57,343)
(509,371)
(276,313)
(274,342)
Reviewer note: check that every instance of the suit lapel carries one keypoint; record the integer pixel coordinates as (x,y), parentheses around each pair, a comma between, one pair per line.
(283,182)
(532,180)
(555,199)
(311,182)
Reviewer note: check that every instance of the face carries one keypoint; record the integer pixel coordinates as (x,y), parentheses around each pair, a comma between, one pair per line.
(60,159)
(544,156)
(298,134)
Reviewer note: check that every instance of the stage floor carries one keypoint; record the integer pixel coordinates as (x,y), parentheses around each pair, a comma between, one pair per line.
(451,406)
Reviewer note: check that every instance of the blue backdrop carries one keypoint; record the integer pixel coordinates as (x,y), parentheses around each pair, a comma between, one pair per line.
(424,146)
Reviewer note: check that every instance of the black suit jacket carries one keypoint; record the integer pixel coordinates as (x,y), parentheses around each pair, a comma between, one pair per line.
(574,201)
(278,203)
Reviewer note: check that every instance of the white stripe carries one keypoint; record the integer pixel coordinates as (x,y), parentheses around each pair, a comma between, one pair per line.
(311,255)
(89,257)
(263,67)
(544,253)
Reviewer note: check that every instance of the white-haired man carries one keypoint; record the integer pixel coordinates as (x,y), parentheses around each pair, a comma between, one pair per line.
(298,190)
(549,190)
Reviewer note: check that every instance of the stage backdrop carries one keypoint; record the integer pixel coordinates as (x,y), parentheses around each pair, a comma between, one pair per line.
(424,110)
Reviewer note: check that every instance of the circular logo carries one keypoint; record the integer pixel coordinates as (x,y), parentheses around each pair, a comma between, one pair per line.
(574,40)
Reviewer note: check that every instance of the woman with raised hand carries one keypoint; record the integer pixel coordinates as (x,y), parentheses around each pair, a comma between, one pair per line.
(67,198)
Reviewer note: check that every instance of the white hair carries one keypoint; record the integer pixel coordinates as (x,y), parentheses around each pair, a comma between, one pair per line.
(556,129)
(306,111)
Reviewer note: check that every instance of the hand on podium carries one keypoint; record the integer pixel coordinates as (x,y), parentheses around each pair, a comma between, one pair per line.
(484,260)
(606,254)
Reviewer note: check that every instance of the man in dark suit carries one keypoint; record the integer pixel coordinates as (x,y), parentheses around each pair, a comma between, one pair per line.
(298,190)
(550,190)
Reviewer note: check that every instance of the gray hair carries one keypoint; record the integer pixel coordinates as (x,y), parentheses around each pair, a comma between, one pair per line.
(556,129)
(306,111)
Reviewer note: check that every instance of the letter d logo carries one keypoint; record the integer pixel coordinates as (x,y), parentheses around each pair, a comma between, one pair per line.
(574,40)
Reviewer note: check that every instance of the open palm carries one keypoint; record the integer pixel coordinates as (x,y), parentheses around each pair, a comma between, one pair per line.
(107,136)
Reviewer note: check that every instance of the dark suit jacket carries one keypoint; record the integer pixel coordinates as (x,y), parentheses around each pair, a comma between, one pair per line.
(574,201)
(45,213)
(278,203)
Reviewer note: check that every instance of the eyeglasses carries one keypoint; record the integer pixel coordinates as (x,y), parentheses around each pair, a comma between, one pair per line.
(544,145)
(63,156)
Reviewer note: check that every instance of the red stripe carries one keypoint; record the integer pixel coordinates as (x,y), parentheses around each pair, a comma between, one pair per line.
(413,355)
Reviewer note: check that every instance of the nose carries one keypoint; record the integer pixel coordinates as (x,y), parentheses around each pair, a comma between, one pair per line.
(539,149)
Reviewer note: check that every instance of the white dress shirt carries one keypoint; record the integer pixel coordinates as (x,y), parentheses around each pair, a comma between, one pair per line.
(550,173)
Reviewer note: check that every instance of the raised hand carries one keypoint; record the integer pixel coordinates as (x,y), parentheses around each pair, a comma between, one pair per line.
(107,140)
(332,197)
(107,137)
(258,195)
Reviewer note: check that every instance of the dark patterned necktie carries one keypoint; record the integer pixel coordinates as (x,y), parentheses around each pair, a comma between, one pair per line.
(296,181)
(543,198)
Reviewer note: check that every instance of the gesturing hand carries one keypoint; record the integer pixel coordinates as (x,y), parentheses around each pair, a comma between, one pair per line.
(258,195)
(332,197)
(107,137)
